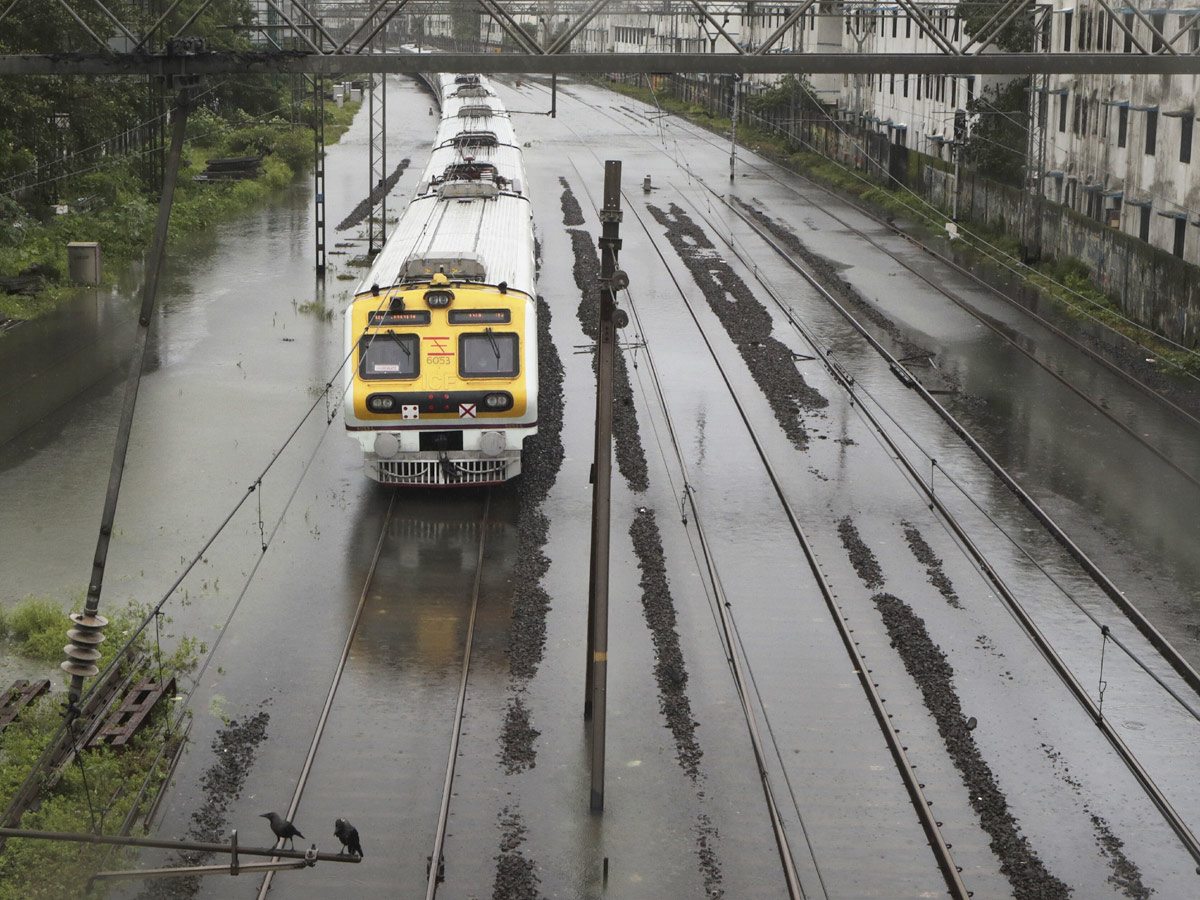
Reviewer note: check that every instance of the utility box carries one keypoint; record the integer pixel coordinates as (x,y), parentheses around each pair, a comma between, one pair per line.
(83,262)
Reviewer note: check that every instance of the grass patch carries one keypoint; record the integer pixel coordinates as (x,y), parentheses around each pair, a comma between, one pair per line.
(35,869)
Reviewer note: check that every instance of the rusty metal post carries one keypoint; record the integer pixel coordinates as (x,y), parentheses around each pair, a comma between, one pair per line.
(610,281)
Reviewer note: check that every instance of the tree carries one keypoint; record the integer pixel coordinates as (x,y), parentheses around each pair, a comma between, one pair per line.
(1015,37)
(998,140)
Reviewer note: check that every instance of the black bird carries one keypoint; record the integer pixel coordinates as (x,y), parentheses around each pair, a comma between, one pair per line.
(284,830)
(348,835)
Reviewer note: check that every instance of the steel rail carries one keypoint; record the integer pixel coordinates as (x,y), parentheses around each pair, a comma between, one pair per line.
(937,843)
(334,683)
(1152,634)
(707,137)
(1181,666)
(1039,640)
(439,837)
(734,659)
(995,291)
(1160,643)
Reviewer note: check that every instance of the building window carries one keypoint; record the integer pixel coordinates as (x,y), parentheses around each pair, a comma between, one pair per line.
(1159,21)
(907,27)
(1185,138)
(954,91)
(1062,112)
(1144,223)
(1122,125)
(895,15)
(1075,114)
(1068,19)
(905,84)
(1180,232)
(1128,33)
(892,83)
(1151,131)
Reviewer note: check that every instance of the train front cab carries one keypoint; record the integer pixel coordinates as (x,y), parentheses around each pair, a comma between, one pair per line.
(444,382)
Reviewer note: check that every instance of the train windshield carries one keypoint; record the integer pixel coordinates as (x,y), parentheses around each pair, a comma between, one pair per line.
(487,355)
(385,354)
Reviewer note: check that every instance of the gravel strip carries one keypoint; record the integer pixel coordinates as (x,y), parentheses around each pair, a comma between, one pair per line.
(826,274)
(669,670)
(516,878)
(861,557)
(927,665)
(517,737)
(932,563)
(1125,873)
(542,458)
(234,747)
(571,212)
(746,321)
(359,214)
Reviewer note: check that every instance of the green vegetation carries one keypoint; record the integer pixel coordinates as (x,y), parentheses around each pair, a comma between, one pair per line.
(91,145)
(101,793)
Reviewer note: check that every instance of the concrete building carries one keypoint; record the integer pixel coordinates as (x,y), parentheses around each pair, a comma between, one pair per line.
(1116,148)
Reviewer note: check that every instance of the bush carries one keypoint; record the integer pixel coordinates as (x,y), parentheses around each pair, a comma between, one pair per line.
(40,628)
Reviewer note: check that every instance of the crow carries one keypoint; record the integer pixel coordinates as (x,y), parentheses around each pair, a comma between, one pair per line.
(284,830)
(348,835)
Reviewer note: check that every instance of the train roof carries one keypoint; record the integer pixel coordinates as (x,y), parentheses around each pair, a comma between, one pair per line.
(479,239)
(502,164)
(469,216)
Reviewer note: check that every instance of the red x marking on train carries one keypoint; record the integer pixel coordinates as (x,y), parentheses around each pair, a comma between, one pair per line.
(466,410)
(439,346)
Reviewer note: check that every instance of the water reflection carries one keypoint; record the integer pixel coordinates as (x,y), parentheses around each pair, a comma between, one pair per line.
(417,612)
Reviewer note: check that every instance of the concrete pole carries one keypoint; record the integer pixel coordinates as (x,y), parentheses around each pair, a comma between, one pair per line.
(83,651)
(611,280)
(733,127)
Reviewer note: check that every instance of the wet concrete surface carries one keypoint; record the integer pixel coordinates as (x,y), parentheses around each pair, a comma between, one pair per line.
(239,354)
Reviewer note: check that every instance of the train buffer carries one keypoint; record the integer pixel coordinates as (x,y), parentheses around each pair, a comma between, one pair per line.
(133,712)
(19,695)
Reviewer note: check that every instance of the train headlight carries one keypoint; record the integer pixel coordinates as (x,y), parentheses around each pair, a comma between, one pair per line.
(386,445)
(492,443)
(438,299)
(498,401)
(381,403)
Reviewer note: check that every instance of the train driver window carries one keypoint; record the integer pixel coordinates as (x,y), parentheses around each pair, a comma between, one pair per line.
(385,354)
(489,354)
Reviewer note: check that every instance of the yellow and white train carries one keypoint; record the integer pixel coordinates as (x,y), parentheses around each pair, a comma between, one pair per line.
(441,336)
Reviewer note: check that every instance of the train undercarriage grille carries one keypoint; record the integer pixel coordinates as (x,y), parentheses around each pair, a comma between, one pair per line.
(452,472)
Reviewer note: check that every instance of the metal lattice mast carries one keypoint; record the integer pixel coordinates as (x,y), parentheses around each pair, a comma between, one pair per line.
(319,170)
(318,89)
(377,189)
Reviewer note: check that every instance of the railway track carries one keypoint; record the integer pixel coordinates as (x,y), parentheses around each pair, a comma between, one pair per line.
(328,743)
(846,382)
(1184,414)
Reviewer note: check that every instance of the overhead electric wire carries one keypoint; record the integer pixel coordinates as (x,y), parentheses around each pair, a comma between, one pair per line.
(1021,270)
(816,342)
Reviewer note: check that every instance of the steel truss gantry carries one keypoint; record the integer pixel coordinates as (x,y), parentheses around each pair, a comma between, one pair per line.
(335,38)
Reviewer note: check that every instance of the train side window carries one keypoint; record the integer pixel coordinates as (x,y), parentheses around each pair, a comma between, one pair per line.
(488,354)
(385,354)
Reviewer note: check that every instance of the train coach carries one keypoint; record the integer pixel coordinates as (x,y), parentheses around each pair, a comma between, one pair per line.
(441,336)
